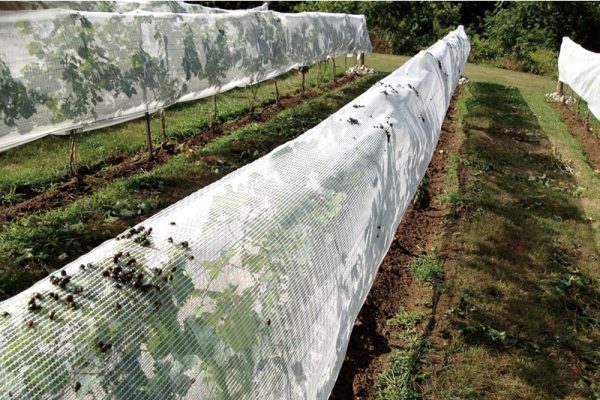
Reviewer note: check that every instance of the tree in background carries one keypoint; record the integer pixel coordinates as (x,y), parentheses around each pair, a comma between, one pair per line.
(397,27)
(527,36)
(524,36)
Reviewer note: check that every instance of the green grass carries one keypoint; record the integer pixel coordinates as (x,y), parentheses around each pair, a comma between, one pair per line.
(35,245)
(427,268)
(525,314)
(519,316)
(403,376)
(407,319)
(40,164)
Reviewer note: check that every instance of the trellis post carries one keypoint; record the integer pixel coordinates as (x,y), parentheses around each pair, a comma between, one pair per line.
(360,59)
(163,125)
(148,135)
(559,88)
(72,161)
(215,111)
(333,69)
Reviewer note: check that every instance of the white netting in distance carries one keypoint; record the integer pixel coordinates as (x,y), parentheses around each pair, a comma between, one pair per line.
(63,70)
(249,288)
(580,69)
(174,6)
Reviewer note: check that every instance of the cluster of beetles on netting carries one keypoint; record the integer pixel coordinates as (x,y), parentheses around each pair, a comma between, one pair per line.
(123,269)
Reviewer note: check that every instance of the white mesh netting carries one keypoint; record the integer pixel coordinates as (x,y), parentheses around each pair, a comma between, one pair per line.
(249,288)
(580,69)
(174,6)
(63,70)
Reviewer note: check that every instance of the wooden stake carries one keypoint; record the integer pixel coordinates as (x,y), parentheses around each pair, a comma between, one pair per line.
(345,63)
(214,121)
(302,87)
(249,97)
(360,59)
(72,166)
(559,88)
(162,124)
(148,135)
(333,69)
(276,93)
(319,74)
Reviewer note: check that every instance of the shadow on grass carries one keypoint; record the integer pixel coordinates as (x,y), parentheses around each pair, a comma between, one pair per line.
(528,297)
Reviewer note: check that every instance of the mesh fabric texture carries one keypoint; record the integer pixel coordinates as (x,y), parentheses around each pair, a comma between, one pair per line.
(248,288)
(63,69)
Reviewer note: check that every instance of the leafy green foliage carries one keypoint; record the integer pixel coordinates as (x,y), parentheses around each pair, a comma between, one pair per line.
(526,36)
(16,101)
(428,268)
(523,36)
(85,67)
(407,319)
(402,377)
(191,62)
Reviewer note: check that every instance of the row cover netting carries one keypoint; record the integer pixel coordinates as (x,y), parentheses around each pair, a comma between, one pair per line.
(580,69)
(248,288)
(64,69)
(174,6)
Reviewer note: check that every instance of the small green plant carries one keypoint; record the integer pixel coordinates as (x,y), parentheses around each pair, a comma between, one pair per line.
(401,380)
(407,319)
(10,197)
(428,268)
(484,333)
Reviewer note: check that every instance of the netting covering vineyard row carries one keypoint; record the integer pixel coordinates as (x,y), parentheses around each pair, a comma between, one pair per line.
(580,69)
(248,288)
(64,69)
(173,6)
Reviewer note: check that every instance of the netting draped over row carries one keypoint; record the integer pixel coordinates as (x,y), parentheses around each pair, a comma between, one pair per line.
(174,6)
(248,288)
(580,69)
(63,70)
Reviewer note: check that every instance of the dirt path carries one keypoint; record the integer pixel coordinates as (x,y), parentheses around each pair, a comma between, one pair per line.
(373,338)
(92,179)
